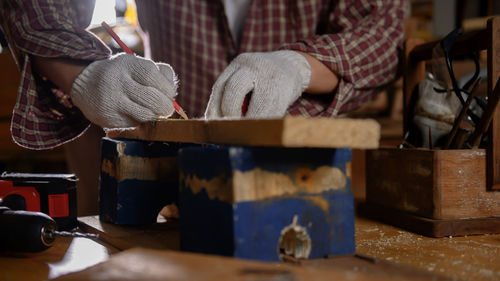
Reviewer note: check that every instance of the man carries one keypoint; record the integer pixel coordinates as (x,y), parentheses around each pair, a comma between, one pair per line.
(307,57)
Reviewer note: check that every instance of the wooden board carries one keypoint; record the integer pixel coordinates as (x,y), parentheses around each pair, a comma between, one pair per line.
(286,132)
(437,184)
(148,264)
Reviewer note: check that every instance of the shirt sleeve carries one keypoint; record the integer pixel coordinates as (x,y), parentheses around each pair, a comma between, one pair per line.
(43,116)
(363,52)
(51,28)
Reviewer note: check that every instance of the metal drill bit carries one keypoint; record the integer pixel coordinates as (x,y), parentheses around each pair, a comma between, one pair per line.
(74,234)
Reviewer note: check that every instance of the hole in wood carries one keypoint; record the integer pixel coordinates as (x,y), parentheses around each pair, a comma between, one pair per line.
(294,241)
(304,176)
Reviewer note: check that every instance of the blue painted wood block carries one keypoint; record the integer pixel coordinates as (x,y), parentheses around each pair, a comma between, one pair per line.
(266,203)
(137,179)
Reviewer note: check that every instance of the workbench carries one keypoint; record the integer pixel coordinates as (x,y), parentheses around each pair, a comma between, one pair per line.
(383,253)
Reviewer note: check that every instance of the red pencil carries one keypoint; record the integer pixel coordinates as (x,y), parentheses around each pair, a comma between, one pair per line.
(126,49)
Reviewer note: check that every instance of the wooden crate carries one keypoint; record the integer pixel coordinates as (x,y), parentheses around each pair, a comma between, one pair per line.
(440,192)
(432,192)
(439,184)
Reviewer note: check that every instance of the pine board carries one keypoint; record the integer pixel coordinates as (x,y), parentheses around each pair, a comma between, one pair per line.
(286,132)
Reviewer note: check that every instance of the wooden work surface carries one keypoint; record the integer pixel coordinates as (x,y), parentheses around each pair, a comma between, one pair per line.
(465,258)
(399,255)
(286,132)
(149,264)
(67,255)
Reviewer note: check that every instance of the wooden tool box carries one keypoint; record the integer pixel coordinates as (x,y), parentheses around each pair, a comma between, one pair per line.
(440,192)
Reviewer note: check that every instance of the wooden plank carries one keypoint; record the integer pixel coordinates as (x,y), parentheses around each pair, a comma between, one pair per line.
(493,76)
(437,184)
(286,132)
(148,264)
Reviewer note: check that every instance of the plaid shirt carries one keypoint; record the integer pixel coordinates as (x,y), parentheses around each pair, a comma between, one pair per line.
(357,39)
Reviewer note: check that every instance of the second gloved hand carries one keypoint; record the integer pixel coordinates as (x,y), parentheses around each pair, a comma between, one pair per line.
(124,91)
(276,80)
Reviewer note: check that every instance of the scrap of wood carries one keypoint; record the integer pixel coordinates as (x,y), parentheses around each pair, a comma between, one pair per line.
(287,132)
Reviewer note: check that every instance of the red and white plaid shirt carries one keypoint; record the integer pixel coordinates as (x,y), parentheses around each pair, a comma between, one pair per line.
(357,39)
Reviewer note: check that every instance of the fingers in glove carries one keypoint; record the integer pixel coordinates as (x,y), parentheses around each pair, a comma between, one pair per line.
(266,101)
(147,73)
(123,121)
(152,99)
(214,103)
(237,87)
(136,112)
(168,72)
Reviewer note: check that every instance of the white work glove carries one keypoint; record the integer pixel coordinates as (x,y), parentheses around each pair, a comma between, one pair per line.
(124,91)
(276,80)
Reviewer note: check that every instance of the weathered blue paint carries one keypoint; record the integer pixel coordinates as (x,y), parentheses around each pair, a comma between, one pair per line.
(135,201)
(214,161)
(272,159)
(258,225)
(206,226)
(251,229)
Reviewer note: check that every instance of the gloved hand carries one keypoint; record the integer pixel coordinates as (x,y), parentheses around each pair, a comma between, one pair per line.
(124,91)
(277,79)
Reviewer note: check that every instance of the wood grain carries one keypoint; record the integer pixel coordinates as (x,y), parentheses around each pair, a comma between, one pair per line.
(493,76)
(437,184)
(461,183)
(462,258)
(286,132)
(148,264)
(402,179)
